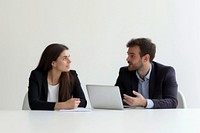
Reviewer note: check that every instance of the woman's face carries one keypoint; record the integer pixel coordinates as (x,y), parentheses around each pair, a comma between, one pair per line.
(62,63)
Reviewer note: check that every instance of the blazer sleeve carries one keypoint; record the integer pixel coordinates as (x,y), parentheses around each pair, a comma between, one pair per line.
(77,90)
(169,90)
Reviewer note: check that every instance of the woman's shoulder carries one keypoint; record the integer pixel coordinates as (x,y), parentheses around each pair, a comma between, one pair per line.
(73,72)
(37,73)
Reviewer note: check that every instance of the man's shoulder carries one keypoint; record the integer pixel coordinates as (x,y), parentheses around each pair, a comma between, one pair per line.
(124,68)
(161,67)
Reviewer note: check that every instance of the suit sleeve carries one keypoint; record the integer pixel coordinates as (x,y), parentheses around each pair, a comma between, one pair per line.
(77,90)
(169,91)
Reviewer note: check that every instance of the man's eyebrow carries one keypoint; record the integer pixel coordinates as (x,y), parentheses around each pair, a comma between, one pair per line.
(130,53)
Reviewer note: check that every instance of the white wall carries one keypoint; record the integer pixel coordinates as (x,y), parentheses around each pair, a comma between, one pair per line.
(96,31)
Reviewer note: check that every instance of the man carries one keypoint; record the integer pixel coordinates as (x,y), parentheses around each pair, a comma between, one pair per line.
(146,83)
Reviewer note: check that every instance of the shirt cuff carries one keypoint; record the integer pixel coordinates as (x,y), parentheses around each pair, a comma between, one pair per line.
(149,104)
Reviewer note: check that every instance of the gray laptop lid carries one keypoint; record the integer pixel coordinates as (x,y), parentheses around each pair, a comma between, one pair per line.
(104,97)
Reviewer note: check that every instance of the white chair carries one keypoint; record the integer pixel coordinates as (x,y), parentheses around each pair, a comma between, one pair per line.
(181,100)
(25,105)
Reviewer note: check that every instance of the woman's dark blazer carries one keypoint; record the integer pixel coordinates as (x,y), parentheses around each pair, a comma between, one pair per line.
(162,85)
(38,91)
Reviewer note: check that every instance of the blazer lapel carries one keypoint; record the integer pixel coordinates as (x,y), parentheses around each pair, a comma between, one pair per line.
(134,81)
(151,82)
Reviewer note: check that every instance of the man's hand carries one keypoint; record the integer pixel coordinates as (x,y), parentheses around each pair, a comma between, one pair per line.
(139,100)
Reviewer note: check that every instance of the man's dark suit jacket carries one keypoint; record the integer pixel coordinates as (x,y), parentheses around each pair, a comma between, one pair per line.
(162,85)
(38,91)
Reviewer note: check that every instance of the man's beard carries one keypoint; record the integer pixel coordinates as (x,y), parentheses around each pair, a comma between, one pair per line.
(132,67)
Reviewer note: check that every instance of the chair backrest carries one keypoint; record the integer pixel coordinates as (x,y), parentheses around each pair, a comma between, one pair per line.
(25,105)
(181,100)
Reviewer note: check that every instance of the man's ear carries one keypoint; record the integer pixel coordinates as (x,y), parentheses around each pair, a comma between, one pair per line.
(146,57)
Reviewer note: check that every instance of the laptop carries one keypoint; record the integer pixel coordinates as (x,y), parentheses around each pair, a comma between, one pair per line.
(105,97)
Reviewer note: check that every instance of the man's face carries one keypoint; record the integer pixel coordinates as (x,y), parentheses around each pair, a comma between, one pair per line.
(134,60)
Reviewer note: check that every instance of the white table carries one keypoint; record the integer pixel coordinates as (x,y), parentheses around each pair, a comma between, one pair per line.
(102,121)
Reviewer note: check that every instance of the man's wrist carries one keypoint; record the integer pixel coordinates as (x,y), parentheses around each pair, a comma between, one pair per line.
(144,103)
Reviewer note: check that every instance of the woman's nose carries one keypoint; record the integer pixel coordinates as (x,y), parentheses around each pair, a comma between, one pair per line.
(69,61)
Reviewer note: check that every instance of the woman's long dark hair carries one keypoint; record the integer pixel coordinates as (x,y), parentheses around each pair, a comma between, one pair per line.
(50,54)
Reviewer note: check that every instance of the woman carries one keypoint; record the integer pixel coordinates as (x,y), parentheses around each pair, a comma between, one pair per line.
(52,85)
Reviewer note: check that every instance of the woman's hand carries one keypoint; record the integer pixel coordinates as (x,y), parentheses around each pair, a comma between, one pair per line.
(69,104)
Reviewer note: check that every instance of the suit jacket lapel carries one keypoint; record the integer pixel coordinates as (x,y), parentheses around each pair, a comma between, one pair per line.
(151,82)
(134,81)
